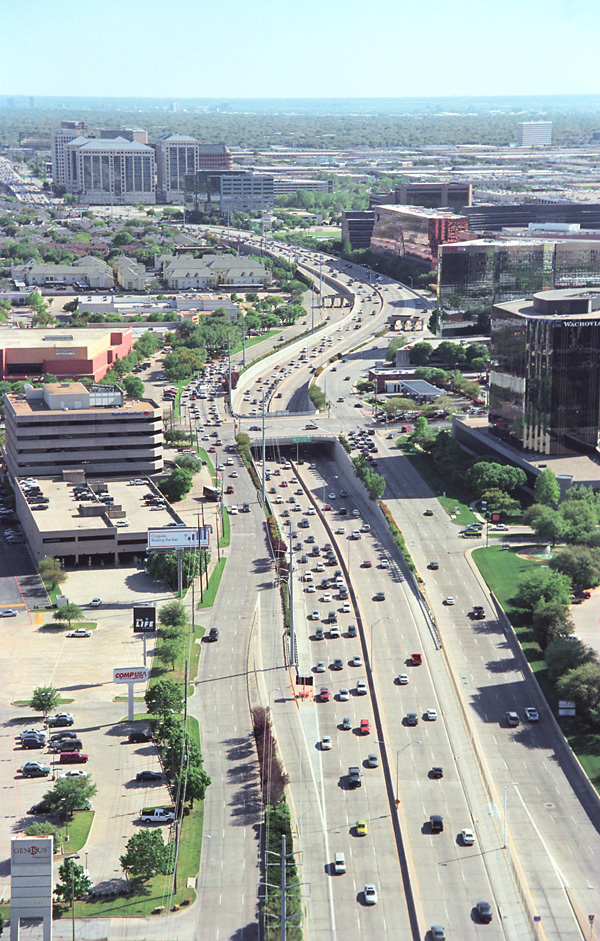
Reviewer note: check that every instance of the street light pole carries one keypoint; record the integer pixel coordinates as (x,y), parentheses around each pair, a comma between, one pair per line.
(505,827)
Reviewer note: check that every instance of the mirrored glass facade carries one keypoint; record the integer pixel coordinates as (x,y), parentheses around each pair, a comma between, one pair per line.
(545,372)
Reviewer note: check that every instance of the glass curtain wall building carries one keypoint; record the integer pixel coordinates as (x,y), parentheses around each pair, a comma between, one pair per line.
(545,372)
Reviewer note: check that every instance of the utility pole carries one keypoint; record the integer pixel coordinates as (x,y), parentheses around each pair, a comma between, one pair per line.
(291,597)
(283,888)
(243,338)
(229,358)
(263,448)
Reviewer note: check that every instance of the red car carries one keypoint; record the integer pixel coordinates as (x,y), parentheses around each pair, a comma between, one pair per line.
(283,483)
(327,506)
(367,565)
(324,695)
(580,593)
(212,449)
(365,728)
(417,659)
(229,489)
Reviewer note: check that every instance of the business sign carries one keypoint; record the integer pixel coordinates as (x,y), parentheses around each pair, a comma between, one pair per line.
(31,881)
(566,708)
(179,537)
(144,619)
(131,674)
(63,351)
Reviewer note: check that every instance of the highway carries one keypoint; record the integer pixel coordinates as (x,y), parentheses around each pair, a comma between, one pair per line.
(524,811)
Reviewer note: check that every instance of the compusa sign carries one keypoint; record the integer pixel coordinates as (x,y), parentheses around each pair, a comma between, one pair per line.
(144,620)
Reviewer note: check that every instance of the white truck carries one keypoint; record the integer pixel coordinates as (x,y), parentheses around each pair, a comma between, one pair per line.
(158,815)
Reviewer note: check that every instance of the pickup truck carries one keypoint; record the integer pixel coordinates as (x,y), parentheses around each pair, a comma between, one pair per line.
(158,815)
(479,612)
(354,777)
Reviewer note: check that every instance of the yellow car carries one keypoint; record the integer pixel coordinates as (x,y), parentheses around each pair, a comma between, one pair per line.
(361,828)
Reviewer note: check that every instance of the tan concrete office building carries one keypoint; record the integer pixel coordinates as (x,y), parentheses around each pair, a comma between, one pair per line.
(67,427)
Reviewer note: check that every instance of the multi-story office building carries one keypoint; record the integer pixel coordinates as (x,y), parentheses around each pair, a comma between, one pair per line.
(77,354)
(66,426)
(416,232)
(284,185)
(357,227)
(479,273)
(493,218)
(128,133)
(534,133)
(103,172)
(176,158)
(67,132)
(244,192)
(545,372)
(214,157)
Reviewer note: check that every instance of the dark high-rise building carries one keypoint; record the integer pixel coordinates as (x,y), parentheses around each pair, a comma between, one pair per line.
(357,227)
(545,373)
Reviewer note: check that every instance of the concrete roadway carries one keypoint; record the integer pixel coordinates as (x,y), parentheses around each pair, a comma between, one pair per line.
(547,806)
(448,878)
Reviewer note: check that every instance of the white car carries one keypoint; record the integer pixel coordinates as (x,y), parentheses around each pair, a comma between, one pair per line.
(310,589)
(384,564)
(356,534)
(311,511)
(320,667)
(532,714)
(449,600)
(314,615)
(365,528)
(344,695)
(431,715)
(467,837)
(332,496)
(326,597)
(220,467)
(370,894)
(356,660)
(403,679)
(326,743)
(355,512)
(74,774)
(233,511)
(95,602)
(121,523)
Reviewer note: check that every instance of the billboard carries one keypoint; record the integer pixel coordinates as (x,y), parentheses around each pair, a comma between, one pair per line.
(179,537)
(131,674)
(144,619)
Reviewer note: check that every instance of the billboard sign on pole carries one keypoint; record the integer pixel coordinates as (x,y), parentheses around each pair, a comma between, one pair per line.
(144,619)
(179,537)
(131,674)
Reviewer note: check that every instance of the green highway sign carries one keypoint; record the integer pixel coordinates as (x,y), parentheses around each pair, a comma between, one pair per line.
(303,440)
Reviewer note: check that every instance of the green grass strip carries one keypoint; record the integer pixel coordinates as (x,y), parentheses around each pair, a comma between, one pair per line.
(214,581)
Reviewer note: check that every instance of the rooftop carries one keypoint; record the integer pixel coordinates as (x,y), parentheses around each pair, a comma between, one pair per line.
(84,339)
(422,211)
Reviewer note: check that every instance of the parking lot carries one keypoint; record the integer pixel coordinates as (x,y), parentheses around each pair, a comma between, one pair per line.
(82,670)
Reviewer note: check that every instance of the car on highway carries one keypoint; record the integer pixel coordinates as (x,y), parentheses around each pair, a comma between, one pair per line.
(379,596)
(434,566)
(428,512)
(367,564)
(372,760)
(326,597)
(437,933)
(356,660)
(532,714)
(449,600)
(324,694)
(343,695)
(320,667)
(412,718)
(79,632)
(467,837)
(361,688)
(384,563)
(436,772)
(402,679)
(484,912)
(361,828)
(346,723)
(512,719)
(365,727)
(338,664)
(430,715)
(370,894)
(314,615)
(326,743)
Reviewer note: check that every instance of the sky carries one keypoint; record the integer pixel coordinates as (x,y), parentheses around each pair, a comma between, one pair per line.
(302,49)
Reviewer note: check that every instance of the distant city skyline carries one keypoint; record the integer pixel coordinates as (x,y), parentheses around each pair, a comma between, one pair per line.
(389,48)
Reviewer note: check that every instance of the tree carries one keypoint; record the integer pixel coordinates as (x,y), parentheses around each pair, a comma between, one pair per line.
(69,612)
(196,784)
(189,463)
(145,854)
(173,614)
(487,474)
(177,485)
(134,387)
(566,653)
(163,567)
(164,697)
(73,881)
(499,501)
(550,619)
(421,430)
(46,829)
(542,584)
(51,571)
(546,489)
(450,353)
(580,563)
(170,650)
(44,699)
(69,794)
(582,686)
(420,353)
(545,521)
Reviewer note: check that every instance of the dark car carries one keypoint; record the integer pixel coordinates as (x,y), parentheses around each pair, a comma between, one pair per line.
(60,720)
(42,808)
(139,736)
(33,741)
(436,772)
(436,823)
(484,912)
(148,776)
(62,736)
(213,634)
